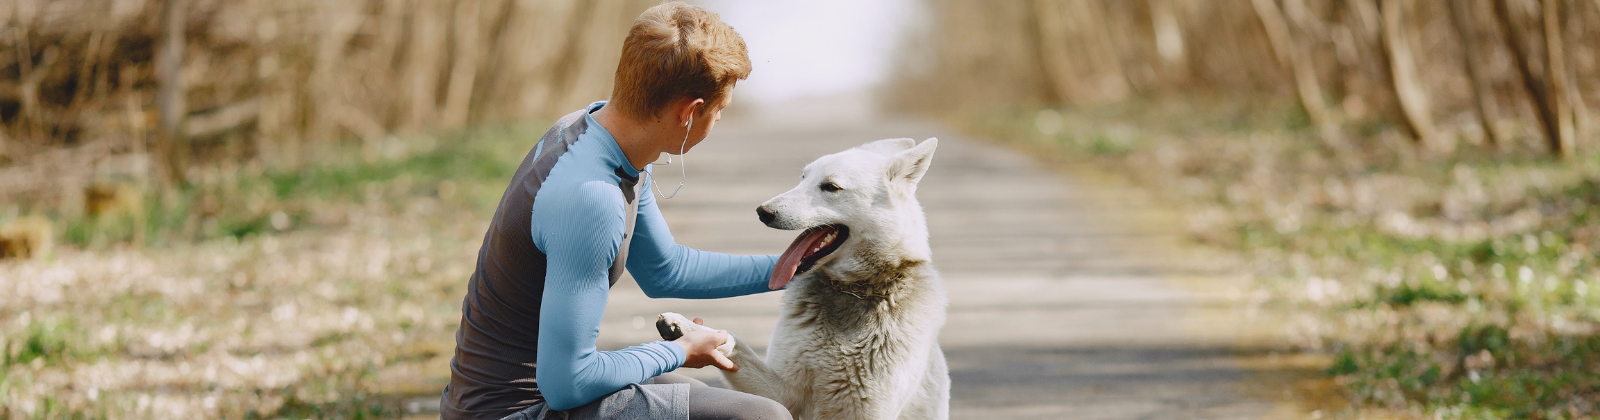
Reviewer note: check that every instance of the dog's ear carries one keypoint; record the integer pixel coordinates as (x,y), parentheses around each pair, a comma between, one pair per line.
(909,165)
(888,147)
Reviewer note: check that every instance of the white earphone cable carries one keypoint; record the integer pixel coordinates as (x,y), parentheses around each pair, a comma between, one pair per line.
(681,166)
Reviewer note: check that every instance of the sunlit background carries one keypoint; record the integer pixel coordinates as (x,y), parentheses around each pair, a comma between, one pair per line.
(808,49)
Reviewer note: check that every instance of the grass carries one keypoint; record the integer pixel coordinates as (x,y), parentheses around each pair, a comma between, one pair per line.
(1443,286)
(243,201)
(329,291)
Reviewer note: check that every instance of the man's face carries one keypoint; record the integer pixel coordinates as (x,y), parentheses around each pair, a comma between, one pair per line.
(703,121)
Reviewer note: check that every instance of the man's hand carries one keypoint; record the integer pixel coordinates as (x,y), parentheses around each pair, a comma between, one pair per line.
(700,348)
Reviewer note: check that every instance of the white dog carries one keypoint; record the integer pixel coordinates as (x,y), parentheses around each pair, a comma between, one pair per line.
(858,336)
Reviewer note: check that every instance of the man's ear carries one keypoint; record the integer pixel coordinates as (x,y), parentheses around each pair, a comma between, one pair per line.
(909,165)
(888,147)
(688,107)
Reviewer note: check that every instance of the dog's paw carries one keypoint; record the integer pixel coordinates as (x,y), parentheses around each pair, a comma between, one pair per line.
(673,326)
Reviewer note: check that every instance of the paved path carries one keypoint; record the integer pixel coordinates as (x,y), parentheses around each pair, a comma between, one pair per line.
(1068,300)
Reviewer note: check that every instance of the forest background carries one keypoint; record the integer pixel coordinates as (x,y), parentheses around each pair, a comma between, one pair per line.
(1411,181)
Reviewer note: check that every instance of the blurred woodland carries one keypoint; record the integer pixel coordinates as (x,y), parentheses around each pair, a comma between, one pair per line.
(1496,73)
(1412,183)
(100,95)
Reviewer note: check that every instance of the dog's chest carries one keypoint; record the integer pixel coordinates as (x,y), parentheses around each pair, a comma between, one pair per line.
(844,342)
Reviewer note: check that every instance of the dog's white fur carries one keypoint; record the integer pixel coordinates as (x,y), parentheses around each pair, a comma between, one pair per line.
(858,335)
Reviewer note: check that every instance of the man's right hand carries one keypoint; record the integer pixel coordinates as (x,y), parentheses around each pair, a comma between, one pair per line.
(700,349)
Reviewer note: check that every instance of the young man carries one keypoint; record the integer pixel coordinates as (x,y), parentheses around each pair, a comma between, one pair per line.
(561,236)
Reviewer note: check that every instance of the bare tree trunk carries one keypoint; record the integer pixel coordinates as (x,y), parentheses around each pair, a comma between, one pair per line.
(423,56)
(1054,53)
(1402,67)
(32,77)
(1556,72)
(1079,57)
(169,100)
(387,48)
(484,88)
(458,95)
(535,42)
(1379,91)
(1109,78)
(1461,20)
(1583,125)
(1305,76)
(564,65)
(91,55)
(1532,82)
(1167,33)
(598,54)
(337,22)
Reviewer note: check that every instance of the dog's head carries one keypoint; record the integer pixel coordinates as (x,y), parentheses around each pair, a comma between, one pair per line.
(856,204)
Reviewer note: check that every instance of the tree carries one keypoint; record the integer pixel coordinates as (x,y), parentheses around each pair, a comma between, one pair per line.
(171,143)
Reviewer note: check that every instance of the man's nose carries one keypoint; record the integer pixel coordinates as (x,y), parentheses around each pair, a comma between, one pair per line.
(765,215)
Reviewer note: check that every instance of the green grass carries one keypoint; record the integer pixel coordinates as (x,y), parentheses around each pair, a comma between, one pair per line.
(1467,286)
(1521,379)
(52,341)
(245,204)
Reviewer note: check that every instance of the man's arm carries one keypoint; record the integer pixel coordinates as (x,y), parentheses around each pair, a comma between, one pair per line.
(580,235)
(663,268)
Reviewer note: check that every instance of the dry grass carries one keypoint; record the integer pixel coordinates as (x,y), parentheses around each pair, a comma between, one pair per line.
(345,310)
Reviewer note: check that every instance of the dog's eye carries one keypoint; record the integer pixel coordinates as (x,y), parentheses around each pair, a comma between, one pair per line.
(831,187)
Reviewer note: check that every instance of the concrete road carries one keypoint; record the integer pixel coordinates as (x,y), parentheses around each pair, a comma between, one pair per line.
(1069,299)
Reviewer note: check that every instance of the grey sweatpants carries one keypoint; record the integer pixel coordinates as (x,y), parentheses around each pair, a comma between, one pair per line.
(669,396)
(636,401)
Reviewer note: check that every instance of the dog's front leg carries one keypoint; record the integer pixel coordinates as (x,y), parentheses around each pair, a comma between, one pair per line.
(873,382)
(756,377)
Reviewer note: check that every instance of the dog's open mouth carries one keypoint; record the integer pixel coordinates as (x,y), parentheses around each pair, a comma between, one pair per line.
(802,255)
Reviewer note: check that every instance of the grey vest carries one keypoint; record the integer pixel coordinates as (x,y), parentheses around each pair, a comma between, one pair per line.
(493,374)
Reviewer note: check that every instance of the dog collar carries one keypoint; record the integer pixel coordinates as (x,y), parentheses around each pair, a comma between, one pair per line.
(861,290)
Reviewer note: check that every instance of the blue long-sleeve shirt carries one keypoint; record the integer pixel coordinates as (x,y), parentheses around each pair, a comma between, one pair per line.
(534,304)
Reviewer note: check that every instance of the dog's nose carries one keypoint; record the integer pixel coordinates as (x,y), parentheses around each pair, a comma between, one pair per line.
(765,215)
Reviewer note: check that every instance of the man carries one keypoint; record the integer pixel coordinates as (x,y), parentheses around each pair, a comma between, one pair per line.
(561,236)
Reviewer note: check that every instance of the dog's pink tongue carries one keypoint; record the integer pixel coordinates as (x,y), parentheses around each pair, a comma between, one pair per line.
(790,260)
